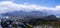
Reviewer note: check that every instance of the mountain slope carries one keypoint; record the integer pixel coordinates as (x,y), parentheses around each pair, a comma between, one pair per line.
(34,13)
(31,15)
(26,15)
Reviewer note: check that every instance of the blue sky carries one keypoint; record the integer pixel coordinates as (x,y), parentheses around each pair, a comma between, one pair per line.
(52,6)
(48,3)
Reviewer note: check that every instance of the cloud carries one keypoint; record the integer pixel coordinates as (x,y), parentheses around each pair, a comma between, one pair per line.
(9,6)
(7,0)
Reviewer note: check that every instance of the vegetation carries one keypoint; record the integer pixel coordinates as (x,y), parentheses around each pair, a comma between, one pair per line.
(49,20)
(15,25)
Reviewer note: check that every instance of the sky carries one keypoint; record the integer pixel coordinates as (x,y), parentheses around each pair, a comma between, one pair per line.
(48,3)
(29,5)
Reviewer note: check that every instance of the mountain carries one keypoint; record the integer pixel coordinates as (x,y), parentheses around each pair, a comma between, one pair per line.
(50,17)
(32,14)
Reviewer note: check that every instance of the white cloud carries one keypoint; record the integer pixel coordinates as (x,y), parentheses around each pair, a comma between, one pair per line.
(8,0)
(9,6)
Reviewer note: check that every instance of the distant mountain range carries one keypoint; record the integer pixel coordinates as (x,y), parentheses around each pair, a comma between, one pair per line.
(31,15)
(23,13)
